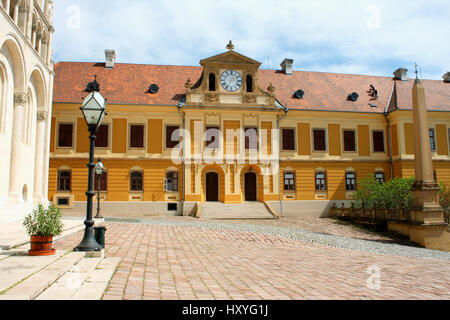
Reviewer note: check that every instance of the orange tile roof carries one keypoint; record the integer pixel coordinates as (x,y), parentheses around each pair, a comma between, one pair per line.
(129,83)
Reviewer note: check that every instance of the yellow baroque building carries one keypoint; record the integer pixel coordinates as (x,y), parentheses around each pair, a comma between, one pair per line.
(227,135)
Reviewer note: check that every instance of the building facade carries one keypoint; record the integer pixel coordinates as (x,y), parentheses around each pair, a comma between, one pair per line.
(177,137)
(26,86)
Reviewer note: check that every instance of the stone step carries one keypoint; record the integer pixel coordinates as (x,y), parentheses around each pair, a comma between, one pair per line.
(86,280)
(247,210)
(24,278)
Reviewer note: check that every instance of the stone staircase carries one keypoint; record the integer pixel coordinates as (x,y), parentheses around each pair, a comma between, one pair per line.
(67,275)
(246,210)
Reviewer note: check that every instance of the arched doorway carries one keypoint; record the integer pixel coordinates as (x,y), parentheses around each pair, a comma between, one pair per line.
(250,186)
(212,186)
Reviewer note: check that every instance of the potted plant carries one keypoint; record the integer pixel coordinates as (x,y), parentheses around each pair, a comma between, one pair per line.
(42,225)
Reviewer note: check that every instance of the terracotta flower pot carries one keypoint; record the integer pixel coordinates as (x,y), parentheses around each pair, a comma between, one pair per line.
(41,246)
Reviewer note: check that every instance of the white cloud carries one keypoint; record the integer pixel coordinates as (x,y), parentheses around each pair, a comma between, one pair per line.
(343,36)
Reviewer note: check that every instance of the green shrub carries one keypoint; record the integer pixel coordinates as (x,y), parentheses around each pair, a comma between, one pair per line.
(392,194)
(44,222)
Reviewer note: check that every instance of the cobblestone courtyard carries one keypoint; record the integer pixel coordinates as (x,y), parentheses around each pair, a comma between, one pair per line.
(184,258)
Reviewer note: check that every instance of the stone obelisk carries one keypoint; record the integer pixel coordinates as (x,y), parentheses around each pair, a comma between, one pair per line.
(426,209)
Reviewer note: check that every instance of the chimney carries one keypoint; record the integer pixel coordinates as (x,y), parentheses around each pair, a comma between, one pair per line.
(401,74)
(110,57)
(446,77)
(286,66)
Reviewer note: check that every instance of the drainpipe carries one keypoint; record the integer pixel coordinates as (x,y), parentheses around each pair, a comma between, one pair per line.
(182,116)
(389,144)
(285,110)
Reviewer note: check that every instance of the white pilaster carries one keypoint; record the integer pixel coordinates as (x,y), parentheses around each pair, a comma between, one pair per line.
(20,100)
(42,118)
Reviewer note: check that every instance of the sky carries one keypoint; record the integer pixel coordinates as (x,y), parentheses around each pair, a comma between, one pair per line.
(358,37)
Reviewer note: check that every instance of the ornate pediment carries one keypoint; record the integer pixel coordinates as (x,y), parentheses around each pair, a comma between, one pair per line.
(230,57)
(229,79)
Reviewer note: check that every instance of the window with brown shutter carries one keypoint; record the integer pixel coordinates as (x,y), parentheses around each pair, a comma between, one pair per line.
(102,136)
(64,179)
(212,137)
(321,181)
(137,136)
(289,181)
(172,181)
(379,177)
(136,181)
(65,135)
(319,140)
(288,139)
(350,181)
(349,141)
(172,136)
(103,181)
(378,141)
(251,138)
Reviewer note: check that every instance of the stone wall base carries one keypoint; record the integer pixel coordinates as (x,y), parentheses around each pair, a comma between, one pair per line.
(436,237)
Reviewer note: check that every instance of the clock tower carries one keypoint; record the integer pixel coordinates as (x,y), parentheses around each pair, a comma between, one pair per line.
(229,79)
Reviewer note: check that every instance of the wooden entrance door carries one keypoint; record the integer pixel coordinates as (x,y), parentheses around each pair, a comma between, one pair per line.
(212,186)
(250,186)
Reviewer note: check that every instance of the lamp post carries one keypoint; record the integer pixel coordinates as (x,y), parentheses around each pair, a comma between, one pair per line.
(98,170)
(94,110)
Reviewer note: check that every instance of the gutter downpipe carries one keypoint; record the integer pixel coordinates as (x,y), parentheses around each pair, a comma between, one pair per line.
(285,110)
(182,116)
(386,117)
(389,144)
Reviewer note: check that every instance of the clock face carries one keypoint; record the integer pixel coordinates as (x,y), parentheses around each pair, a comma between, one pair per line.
(231,80)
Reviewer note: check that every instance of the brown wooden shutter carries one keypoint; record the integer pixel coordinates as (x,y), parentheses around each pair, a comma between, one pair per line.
(349,140)
(137,136)
(319,140)
(378,141)
(102,136)
(65,135)
(172,138)
(288,139)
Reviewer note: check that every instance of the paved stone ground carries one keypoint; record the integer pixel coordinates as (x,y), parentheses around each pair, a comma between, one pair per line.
(183,258)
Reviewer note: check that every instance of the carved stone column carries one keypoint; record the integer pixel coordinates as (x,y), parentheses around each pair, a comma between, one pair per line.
(39,42)
(20,101)
(16,11)
(42,118)
(7,6)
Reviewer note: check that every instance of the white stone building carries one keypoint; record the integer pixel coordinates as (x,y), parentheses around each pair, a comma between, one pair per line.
(26,86)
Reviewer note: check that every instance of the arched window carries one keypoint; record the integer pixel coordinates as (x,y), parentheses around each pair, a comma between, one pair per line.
(64,180)
(249,83)
(379,176)
(136,181)
(289,181)
(321,181)
(350,181)
(212,82)
(171,183)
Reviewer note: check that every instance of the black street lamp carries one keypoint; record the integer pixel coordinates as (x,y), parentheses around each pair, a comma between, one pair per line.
(98,170)
(94,110)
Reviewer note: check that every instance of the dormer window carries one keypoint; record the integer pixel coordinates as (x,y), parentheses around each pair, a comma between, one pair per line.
(249,83)
(212,82)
